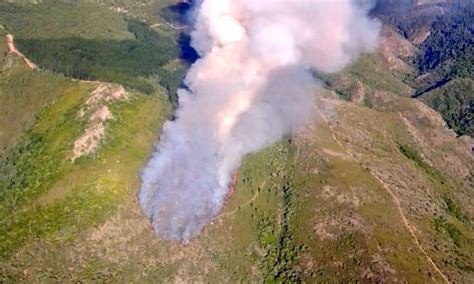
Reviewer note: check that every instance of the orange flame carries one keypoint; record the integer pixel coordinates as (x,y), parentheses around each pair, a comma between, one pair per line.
(234,183)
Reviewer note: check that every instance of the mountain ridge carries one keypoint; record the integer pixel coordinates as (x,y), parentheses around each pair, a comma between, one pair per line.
(375,188)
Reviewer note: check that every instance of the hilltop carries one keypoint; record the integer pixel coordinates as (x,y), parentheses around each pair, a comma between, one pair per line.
(376,188)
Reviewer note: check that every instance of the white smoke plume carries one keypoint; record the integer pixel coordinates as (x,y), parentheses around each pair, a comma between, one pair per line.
(251,86)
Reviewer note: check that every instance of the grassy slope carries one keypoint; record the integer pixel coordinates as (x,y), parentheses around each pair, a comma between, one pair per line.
(75,39)
(416,168)
(303,209)
(435,193)
(91,188)
(371,73)
(23,93)
(356,230)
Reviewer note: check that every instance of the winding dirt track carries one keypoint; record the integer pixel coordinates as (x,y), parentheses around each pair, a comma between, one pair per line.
(11,49)
(411,230)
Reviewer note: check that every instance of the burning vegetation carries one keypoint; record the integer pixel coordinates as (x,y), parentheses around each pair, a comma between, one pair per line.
(252,84)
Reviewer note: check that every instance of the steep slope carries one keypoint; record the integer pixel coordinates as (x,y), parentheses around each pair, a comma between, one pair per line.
(375,188)
(341,200)
(455,102)
(85,41)
(94,42)
(443,36)
(423,167)
(23,93)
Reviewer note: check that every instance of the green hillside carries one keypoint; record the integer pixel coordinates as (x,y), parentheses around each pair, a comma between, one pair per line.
(375,188)
(85,41)
(89,187)
(23,93)
(93,42)
(455,101)
(444,38)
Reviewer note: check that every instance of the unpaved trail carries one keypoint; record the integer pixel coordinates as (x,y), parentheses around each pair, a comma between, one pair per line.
(254,197)
(12,50)
(411,230)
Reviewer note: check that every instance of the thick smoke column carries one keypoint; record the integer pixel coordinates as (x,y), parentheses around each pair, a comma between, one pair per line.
(251,86)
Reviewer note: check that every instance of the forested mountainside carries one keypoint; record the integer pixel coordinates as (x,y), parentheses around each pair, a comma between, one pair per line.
(443,35)
(376,188)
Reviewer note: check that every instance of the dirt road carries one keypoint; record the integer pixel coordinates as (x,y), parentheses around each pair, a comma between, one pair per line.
(12,50)
(411,230)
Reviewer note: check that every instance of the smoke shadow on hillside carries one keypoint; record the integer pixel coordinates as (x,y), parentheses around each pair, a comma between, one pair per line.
(177,15)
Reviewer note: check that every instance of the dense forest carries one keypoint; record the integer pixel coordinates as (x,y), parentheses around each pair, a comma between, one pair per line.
(455,102)
(448,56)
(444,57)
(141,57)
(128,62)
(450,47)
